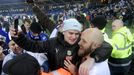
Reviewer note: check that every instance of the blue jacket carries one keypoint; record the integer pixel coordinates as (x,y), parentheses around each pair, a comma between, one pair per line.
(5,35)
(40,37)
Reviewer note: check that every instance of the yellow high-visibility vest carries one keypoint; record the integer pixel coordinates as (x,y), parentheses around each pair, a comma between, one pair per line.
(122,43)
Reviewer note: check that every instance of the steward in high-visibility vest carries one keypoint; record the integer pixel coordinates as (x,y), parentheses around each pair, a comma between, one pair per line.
(122,46)
(60,71)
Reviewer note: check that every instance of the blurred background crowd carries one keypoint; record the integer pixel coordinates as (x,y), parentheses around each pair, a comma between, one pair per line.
(63,9)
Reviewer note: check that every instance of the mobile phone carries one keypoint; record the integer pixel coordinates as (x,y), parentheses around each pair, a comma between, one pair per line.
(16,22)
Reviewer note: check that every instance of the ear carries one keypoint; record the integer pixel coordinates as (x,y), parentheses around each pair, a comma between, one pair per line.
(95,45)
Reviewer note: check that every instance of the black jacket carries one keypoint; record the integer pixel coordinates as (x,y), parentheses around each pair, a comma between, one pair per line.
(56,49)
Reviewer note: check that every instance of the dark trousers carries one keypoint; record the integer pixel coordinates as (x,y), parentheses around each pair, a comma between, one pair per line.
(131,71)
(119,70)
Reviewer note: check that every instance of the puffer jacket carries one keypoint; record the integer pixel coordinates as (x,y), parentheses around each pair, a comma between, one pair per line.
(56,50)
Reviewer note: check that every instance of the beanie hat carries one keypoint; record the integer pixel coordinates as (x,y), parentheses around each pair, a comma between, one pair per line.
(99,21)
(35,27)
(71,24)
(23,64)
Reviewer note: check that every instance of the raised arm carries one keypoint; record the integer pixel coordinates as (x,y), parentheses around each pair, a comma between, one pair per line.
(27,44)
(44,20)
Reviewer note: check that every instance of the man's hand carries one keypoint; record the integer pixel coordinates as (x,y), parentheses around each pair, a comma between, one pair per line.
(95,44)
(86,66)
(13,32)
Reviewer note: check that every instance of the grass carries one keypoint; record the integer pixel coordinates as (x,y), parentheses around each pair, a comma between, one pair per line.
(109,29)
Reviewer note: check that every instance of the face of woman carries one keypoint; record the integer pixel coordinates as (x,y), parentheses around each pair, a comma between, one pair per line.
(71,36)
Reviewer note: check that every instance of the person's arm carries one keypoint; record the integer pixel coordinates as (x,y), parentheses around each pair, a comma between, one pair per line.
(43,19)
(86,66)
(102,53)
(99,55)
(27,44)
(30,45)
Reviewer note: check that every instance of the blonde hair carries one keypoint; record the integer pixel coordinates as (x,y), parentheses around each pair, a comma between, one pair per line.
(11,42)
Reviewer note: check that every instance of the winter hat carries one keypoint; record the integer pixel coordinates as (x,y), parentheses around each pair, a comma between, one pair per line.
(99,21)
(23,64)
(35,27)
(71,24)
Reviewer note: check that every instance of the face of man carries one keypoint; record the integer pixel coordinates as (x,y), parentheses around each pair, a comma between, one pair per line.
(117,24)
(15,48)
(91,39)
(27,25)
(114,27)
(85,45)
(71,36)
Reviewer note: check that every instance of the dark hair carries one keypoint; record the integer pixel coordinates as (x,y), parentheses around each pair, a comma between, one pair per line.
(35,27)
(99,21)
(27,20)
(23,64)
